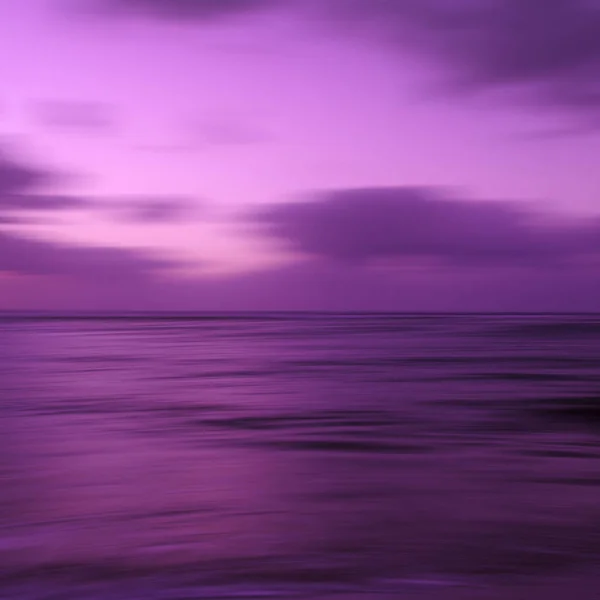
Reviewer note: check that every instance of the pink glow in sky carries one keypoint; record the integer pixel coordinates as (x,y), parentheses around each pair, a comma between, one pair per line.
(244,108)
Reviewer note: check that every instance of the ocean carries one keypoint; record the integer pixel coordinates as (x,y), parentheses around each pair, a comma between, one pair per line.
(300,455)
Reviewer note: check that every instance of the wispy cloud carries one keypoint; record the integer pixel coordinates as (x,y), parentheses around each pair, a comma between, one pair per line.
(180,9)
(84,117)
(149,210)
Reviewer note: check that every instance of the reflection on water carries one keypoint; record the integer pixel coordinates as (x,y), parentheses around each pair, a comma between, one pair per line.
(430,457)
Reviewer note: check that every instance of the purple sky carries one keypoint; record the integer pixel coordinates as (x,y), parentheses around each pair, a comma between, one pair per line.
(287,154)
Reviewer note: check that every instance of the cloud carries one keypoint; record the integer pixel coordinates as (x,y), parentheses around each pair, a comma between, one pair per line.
(359,226)
(23,185)
(22,191)
(361,249)
(45,202)
(18,176)
(226,132)
(75,274)
(181,10)
(160,209)
(549,48)
(6,219)
(194,136)
(30,256)
(76,116)
(546,50)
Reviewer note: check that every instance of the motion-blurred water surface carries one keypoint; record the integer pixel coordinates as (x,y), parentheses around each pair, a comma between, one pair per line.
(433,456)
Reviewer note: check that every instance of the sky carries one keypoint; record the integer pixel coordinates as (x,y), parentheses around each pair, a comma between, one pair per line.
(435,155)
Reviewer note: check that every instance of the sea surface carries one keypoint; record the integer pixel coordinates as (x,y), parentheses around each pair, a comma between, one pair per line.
(300,455)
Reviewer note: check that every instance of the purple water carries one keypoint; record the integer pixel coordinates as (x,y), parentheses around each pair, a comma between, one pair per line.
(303,455)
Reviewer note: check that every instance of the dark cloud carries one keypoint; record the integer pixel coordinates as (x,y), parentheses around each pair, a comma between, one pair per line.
(77,116)
(548,49)
(365,225)
(551,48)
(150,210)
(182,9)
(30,256)
(22,185)
(21,193)
(17,175)
(44,202)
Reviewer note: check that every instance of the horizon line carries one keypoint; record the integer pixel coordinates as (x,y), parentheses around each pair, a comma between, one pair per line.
(10,313)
